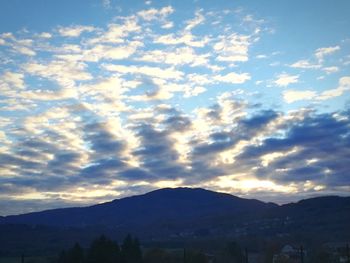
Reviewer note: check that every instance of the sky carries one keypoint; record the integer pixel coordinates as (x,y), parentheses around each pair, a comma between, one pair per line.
(105,99)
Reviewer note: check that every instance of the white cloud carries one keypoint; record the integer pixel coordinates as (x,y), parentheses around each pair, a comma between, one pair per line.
(155,14)
(63,72)
(24,50)
(291,96)
(199,79)
(186,38)
(330,70)
(305,64)
(45,35)
(168,25)
(99,52)
(190,92)
(322,52)
(283,80)
(117,33)
(178,56)
(199,18)
(74,31)
(234,78)
(169,73)
(344,86)
(12,80)
(232,48)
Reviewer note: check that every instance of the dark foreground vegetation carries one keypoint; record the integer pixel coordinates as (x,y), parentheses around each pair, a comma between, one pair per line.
(130,250)
(104,250)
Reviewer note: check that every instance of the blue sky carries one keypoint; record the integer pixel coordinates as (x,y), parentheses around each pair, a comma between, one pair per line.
(106,99)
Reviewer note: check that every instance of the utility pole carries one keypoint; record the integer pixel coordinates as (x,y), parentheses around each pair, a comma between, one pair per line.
(184,255)
(301,254)
(348,252)
(22,258)
(246,255)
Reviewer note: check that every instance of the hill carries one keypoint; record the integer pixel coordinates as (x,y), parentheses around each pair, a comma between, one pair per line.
(180,215)
(169,204)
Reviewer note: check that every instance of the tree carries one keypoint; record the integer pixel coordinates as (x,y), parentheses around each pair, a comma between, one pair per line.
(233,253)
(73,255)
(76,254)
(103,250)
(131,251)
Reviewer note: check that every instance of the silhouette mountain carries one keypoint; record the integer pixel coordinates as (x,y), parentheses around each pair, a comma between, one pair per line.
(179,215)
(164,205)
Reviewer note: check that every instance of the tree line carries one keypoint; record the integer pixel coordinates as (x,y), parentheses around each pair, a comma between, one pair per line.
(104,250)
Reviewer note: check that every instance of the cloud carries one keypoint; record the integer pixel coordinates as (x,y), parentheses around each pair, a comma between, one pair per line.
(233,78)
(178,56)
(330,70)
(291,96)
(169,73)
(284,80)
(10,80)
(232,48)
(116,33)
(305,64)
(74,31)
(320,53)
(311,138)
(186,38)
(146,100)
(199,18)
(344,86)
(156,14)
(24,50)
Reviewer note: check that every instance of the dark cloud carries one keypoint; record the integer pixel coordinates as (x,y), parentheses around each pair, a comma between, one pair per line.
(318,147)
(322,152)
(178,123)
(157,153)
(136,174)
(104,167)
(102,140)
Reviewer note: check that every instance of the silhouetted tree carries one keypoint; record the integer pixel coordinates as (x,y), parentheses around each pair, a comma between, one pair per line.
(233,253)
(131,251)
(103,250)
(73,255)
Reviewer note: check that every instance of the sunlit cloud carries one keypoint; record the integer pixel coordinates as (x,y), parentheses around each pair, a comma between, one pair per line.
(150,96)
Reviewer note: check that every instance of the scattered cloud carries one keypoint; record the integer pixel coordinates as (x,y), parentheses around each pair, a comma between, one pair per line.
(305,64)
(232,48)
(155,98)
(291,96)
(284,80)
(320,53)
(234,78)
(74,31)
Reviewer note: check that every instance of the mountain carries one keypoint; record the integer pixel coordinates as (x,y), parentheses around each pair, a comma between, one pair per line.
(164,205)
(178,216)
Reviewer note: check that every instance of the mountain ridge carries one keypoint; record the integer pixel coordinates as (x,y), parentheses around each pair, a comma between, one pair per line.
(191,202)
(181,214)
